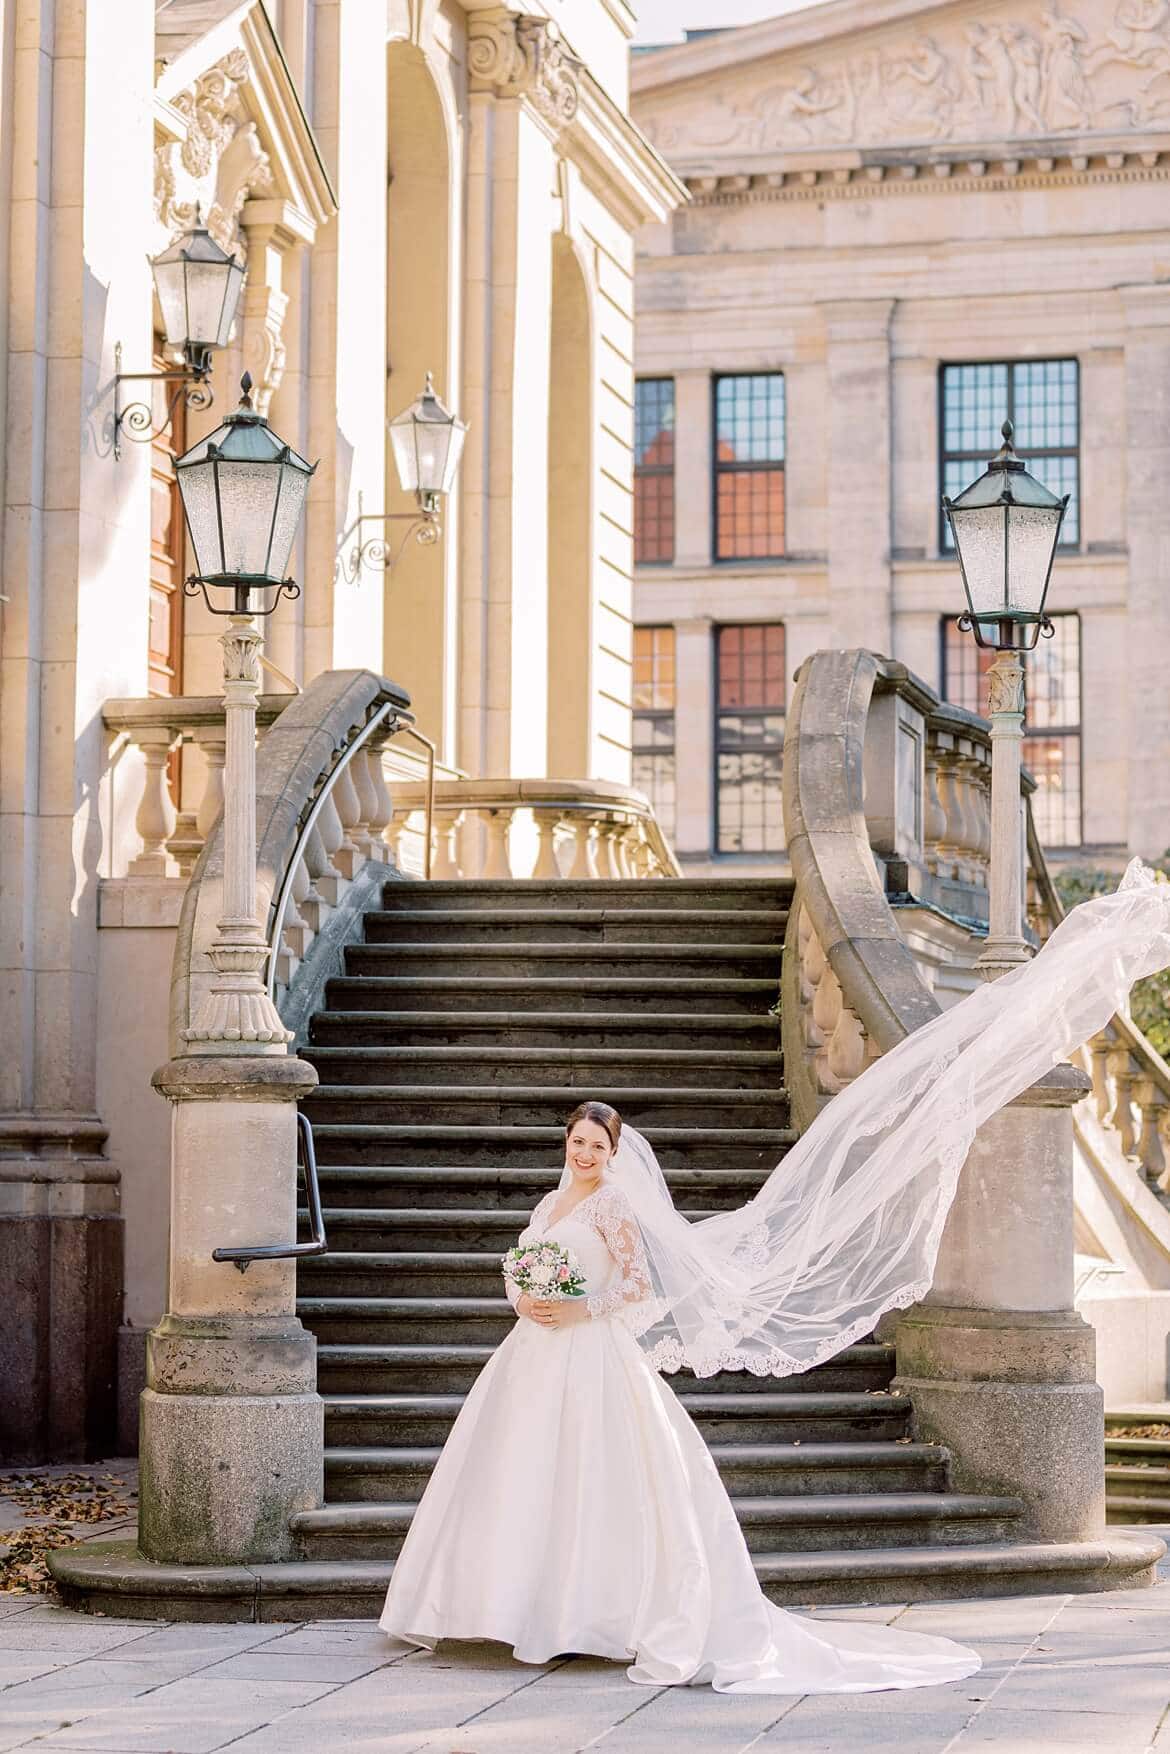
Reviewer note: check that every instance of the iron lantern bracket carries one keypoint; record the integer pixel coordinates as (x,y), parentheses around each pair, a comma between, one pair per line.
(241,590)
(137,418)
(378,552)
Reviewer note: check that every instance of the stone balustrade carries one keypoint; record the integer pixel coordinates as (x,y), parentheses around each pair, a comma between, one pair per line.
(171,839)
(543,829)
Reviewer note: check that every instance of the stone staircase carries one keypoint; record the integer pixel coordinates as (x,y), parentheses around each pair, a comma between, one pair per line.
(1137,1464)
(467,1024)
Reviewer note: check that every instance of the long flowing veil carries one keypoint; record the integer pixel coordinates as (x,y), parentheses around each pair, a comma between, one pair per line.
(847,1226)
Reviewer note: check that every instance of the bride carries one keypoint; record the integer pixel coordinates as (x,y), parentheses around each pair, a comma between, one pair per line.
(575,1506)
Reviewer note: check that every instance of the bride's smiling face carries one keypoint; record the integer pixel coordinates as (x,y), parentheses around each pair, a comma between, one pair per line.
(587,1150)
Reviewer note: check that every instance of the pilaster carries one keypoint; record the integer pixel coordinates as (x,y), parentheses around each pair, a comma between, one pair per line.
(1147,468)
(857,400)
(694,743)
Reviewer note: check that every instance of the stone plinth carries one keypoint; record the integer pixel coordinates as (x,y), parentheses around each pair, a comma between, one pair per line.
(232,1428)
(1000,1366)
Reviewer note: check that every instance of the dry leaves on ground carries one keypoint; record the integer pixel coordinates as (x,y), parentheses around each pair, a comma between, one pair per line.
(53,1506)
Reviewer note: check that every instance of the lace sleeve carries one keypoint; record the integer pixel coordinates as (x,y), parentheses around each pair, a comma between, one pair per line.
(613,1219)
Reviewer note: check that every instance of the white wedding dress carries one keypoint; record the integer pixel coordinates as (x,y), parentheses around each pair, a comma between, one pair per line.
(575,1507)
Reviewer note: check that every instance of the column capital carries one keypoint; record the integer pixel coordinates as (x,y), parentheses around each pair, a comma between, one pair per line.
(512,54)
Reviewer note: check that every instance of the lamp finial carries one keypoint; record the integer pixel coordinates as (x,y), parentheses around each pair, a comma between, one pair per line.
(246,387)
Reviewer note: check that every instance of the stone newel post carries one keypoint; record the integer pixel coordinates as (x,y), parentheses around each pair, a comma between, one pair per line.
(1000,1365)
(232,1427)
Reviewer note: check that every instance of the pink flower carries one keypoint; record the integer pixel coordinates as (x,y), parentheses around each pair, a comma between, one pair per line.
(564,1274)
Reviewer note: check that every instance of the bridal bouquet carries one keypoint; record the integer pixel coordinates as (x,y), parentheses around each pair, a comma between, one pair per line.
(544,1269)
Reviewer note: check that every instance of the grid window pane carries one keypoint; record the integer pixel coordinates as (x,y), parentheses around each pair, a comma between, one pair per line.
(654,760)
(1052,721)
(749,466)
(654,471)
(749,739)
(1042,399)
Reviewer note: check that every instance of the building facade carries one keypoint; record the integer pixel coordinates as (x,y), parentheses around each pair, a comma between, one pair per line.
(906,225)
(419,186)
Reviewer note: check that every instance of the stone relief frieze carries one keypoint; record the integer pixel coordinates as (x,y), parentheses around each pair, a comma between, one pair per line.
(219,163)
(1021,73)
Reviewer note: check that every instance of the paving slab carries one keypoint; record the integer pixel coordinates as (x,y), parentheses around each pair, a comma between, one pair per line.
(1062,1674)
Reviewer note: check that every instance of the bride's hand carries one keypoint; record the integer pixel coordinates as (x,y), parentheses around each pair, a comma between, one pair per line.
(559,1312)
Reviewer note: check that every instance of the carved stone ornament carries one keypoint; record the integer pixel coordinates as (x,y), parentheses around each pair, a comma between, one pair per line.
(515,55)
(1033,70)
(221,161)
(1005,686)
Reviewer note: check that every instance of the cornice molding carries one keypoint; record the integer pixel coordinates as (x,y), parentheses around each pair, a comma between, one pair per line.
(962,173)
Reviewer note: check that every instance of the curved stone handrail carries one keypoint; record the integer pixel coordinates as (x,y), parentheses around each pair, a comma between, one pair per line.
(293,761)
(886,797)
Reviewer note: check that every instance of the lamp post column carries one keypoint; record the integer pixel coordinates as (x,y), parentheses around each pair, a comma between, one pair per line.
(232,1426)
(1005,946)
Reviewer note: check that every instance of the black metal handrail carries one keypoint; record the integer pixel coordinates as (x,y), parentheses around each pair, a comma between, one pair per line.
(283,1251)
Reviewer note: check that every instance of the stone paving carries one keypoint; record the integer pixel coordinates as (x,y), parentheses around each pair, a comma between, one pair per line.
(1062,1674)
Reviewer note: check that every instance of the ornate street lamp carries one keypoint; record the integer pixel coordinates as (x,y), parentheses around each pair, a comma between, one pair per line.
(198,287)
(427,442)
(1006,526)
(243,492)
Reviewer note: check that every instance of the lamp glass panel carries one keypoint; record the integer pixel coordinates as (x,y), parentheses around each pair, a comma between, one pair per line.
(248,494)
(170,284)
(1032,534)
(432,441)
(454,453)
(213,291)
(981,535)
(405,461)
(293,486)
(197,486)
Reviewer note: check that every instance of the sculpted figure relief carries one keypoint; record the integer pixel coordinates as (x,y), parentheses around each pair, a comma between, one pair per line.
(1041,72)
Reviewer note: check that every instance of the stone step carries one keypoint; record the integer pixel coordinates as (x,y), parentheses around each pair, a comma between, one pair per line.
(584,925)
(633,995)
(390,1230)
(391,1389)
(397,1474)
(803,1523)
(566,962)
(108,1576)
(515,1188)
(712,894)
(484,1031)
(541,1105)
(407,1321)
(747,1148)
(567,1068)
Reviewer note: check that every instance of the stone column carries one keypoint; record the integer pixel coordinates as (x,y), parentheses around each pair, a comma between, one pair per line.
(1000,1366)
(1147,465)
(694,668)
(346,322)
(76,532)
(523,89)
(857,400)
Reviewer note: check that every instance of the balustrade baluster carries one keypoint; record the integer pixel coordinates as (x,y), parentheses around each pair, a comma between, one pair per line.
(584,866)
(547,823)
(1151,1102)
(364,836)
(1122,1071)
(497,861)
(349,856)
(1099,1048)
(445,863)
(383,802)
(155,818)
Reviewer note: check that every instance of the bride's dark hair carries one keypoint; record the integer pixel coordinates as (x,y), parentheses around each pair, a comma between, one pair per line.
(601,1115)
